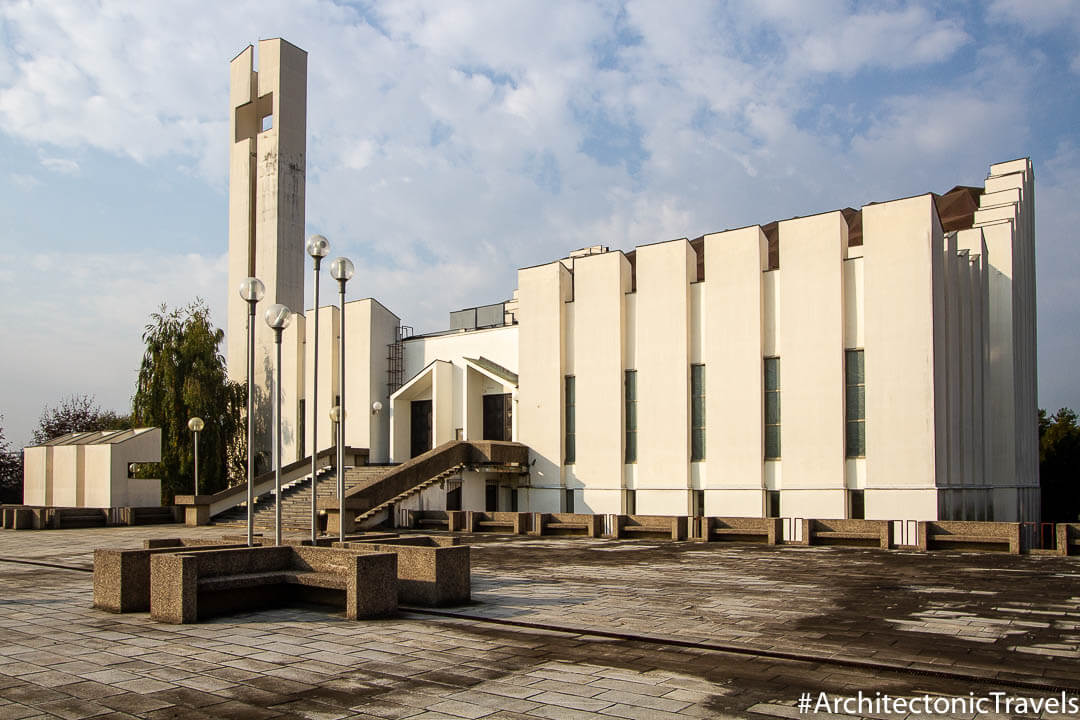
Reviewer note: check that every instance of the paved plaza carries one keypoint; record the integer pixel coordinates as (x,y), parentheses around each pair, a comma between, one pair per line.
(560,629)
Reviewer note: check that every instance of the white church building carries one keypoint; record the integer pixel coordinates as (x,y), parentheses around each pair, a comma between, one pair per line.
(875,362)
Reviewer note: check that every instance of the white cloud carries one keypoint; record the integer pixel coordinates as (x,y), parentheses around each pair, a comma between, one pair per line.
(450,143)
(1036,17)
(64,166)
(24,181)
(889,39)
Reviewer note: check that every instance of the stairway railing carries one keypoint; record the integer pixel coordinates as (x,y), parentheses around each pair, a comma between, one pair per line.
(424,467)
(237,494)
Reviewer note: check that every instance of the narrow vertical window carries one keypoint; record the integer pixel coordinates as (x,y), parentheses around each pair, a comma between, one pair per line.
(630,385)
(855,401)
(571,445)
(697,412)
(301,430)
(857,501)
(569,493)
(772,503)
(772,408)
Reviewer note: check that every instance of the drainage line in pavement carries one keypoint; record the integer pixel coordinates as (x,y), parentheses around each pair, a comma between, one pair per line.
(713,646)
(47,564)
(756,652)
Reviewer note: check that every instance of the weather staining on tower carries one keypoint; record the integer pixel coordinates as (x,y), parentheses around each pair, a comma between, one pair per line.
(268,143)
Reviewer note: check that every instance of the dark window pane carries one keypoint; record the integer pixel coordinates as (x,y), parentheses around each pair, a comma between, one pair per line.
(853,364)
(772,373)
(856,439)
(570,449)
(697,445)
(631,447)
(858,505)
(772,408)
(697,411)
(772,442)
(856,402)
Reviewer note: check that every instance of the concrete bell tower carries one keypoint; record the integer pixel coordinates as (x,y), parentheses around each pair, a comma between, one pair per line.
(267,170)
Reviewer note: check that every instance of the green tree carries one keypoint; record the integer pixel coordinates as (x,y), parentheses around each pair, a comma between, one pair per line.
(1059,466)
(183,375)
(11,474)
(77,413)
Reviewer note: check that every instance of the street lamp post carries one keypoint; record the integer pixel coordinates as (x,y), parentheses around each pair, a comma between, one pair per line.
(252,291)
(341,269)
(337,421)
(317,247)
(277,317)
(195,425)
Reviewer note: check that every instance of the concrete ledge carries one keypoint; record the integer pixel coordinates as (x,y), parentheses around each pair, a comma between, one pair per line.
(509,522)
(666,526)
(856,533)
(429,572)
(567,524)
(188,586)
(973,535)
(768,531)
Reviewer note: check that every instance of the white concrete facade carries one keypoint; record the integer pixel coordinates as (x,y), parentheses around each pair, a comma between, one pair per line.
(900,338)
(91,470)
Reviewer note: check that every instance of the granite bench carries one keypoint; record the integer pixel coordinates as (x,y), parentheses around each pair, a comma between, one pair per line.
(122,577)
(663,526)
(511,522)
(567,524)
(431,571)
(853,532)
(186,587)
(740,529)
(970,535)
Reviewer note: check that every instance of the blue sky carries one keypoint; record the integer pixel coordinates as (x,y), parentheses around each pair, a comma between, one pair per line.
(450,143)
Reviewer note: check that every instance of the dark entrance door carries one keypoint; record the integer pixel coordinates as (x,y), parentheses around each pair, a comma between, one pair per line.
(498,417)
(421,427)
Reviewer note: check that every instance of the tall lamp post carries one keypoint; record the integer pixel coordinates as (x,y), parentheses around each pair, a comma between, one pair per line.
(252,291)
(341,269)
(317,247)
(277,317)
(195,425)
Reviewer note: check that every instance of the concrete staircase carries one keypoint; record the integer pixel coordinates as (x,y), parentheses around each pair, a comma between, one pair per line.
(389,504)
(296,499)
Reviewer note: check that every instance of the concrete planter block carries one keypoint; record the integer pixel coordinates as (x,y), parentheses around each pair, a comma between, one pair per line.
(857,533)
(429,573)
(666,526)
(188,586)
(510,522)
(567,524)
(741,529)
(970,535)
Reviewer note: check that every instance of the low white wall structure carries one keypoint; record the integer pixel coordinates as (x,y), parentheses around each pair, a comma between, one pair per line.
(92,470)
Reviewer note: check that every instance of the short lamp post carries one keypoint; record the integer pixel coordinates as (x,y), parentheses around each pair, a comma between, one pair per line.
(195,425)
(252,291)
(317,247)
(341,269)
(277,317)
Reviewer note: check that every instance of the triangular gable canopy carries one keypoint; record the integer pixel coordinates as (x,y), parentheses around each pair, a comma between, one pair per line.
(493,370)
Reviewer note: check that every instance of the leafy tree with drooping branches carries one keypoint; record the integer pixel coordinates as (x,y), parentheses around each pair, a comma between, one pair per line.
(183,375)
